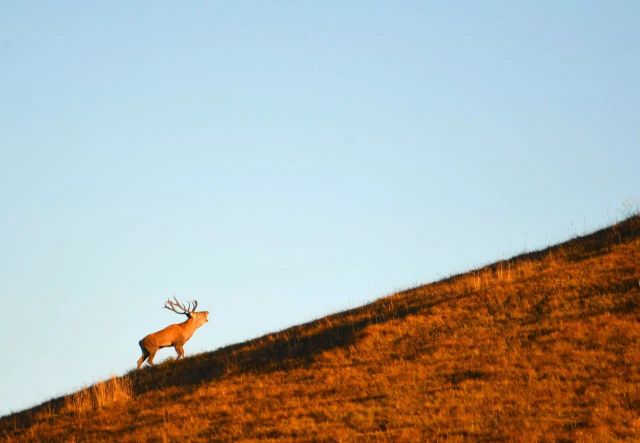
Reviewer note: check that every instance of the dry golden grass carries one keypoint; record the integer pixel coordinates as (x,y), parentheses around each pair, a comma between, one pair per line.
(542,347)
(103,394)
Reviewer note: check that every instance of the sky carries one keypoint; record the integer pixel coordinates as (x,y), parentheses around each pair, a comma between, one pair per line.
(281,161)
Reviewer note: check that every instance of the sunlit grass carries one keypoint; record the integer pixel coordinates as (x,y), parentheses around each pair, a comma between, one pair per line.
(103,394)
(542,347)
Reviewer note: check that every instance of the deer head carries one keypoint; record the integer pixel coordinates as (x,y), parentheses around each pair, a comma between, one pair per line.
(190,311)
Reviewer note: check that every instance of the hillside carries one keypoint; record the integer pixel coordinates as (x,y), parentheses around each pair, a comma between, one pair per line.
(544,346)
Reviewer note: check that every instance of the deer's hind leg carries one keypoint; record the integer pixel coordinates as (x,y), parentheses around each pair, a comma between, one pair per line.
(145,354)
(151,355)
(142,359)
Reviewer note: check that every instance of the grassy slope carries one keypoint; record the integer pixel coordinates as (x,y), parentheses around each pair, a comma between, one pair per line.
(542,346)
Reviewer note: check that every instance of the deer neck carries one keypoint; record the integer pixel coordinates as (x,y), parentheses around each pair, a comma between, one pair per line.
(189,326)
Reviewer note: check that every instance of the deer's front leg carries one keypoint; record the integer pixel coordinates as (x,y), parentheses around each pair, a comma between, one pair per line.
(179,351)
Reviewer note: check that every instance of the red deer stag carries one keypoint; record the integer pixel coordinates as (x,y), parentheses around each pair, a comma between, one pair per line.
(174,335)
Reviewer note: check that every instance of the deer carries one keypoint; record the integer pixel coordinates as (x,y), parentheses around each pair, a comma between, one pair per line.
(175,335)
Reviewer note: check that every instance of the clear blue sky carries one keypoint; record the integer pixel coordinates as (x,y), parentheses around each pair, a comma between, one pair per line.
(279,161)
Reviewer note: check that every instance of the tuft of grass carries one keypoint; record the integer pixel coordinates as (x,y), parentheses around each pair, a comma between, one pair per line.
(109,392)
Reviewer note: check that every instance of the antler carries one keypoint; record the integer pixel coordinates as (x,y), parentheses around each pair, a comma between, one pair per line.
(186,310)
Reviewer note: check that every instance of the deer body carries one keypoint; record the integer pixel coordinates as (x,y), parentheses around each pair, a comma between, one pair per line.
(174,335)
